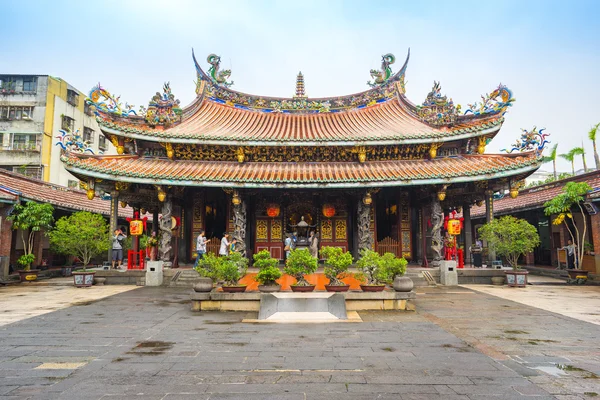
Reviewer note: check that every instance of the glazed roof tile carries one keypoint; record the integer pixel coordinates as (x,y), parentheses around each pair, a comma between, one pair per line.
(535,197)
(14,185)
(335,174)
(388,121)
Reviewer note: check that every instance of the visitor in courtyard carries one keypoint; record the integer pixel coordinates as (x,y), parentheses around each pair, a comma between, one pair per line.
(476,251)
(232,246)
(201,246)
(288,243)
(313,244)
(570,248)
(117,248)
(224,249)
(294,240)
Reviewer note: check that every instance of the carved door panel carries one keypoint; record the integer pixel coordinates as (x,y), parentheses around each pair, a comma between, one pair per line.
(334,232)
(269,236)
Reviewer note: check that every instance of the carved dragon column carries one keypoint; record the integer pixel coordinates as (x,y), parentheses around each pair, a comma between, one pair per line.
(365,238)
(239,224)
(165,247)
(437,221)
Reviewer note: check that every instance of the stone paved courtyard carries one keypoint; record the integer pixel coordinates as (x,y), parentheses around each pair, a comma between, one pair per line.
(144,343)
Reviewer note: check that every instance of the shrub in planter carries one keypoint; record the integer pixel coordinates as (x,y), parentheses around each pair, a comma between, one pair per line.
(337,262)
(394,269)
(300,263)
(371,265)
(230,270)
(263,259)
(267,278)
(208,266)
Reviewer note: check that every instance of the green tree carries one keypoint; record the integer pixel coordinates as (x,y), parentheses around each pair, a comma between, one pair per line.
(82,234)
(573,194)
(552,157)
(300,263)
(570,157)
(337,262)
(580,151)
(393,266)
(31,218)
(371,265)
(592,136)
(510,237)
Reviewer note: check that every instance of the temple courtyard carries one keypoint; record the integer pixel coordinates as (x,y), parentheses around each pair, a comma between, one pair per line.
(466,342)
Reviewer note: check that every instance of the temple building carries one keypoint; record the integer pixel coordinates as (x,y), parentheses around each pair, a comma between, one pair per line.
(367,170)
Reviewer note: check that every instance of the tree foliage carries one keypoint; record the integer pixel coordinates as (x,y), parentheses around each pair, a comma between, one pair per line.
(371,265)
(31,218)
(337,262)
(263,260)
(573,194)
(300,263)
(393,265)
(511,237)
(268,275)
(82,234)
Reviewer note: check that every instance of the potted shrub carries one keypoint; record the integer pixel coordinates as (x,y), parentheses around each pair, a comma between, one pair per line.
(268,271)
(29,219)
(337,262)
(207,269)
(511,237)
(300,263)
(395,268)
(230,270)
(371,266)
(573,195)
(83,235)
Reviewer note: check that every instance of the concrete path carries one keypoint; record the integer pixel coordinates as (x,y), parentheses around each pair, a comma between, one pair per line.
(147,344)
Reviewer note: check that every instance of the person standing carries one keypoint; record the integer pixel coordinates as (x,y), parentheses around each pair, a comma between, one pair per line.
(287,245)
(117,248)
(201,246)
(224,249)
(570,248)
(313,244)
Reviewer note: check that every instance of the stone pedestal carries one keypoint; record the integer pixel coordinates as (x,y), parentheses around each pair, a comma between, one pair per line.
(296,306)
(154,273)
(448,274)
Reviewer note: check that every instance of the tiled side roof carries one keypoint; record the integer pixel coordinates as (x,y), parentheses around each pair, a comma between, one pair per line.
(535,197)
(334,174)
(59,196)
(389,121)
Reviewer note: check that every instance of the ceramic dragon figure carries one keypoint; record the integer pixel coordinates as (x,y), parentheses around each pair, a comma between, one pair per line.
(164,247)
(437,221)
(239,223)
(530,141)
(365,238)
(496,102)
(381,77)
(104,101)
(220,77)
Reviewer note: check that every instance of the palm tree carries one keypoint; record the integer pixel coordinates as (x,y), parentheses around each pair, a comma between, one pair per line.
(580,151)
(552,157)
(592,136)
(570,156)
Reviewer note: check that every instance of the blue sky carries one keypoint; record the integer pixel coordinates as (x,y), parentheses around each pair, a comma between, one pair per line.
(547,52)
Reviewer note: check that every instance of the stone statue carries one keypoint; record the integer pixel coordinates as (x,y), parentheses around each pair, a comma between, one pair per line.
(313,244)
(365,238)
(164,247)
(437,220)
(239,227)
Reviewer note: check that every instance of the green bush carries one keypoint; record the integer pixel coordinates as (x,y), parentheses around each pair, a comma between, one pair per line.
(25,261)
(300,263)
(263,260)
(30,218)
(268,275)
(209,265)
(371,265)
(232,268)
(393,266)
(337,262)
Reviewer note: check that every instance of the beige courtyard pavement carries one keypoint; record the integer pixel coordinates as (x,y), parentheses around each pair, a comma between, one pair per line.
(576,301)
(19,302)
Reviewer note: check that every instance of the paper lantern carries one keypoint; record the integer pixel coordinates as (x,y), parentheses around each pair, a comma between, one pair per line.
(441,195)
(90,194)
(273,210)
(454,227)
(514,192)
(136,227)
(328,210)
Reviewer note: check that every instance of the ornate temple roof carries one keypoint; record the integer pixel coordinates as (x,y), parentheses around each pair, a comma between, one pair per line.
(465,168)
(380,114)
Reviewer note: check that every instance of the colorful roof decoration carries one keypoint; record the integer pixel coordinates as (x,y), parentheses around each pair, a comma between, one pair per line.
(466,168)
(530,141)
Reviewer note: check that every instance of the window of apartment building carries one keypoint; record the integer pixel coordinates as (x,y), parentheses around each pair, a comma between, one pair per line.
(87,109)
(29,84)
(72,97)
(88,135)
(102,142)
(67,123)
(73,184)
(24,141)
(32,172)
(12,112)
(8,83)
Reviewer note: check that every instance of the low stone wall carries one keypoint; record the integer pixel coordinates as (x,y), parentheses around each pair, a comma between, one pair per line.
(122,278)
(355,301)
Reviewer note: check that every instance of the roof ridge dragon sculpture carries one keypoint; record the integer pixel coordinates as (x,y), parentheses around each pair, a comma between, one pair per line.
(530,140)
(110,103)
(490,103)
(220,77)
(382,76)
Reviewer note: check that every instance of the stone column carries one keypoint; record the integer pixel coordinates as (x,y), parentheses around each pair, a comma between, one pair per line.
(155,221)
(365,238)
(423,237)
(437,221)
(164,246)
(489,217)
(468,231)
(114,217)
(239,227)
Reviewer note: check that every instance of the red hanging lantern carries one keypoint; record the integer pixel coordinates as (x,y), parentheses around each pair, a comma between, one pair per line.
(328,210)
(273,210)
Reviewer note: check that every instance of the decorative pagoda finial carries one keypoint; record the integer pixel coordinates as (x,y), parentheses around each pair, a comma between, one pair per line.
(220,77)
(163,109)
(300,86)
(437,109)
(381,77)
